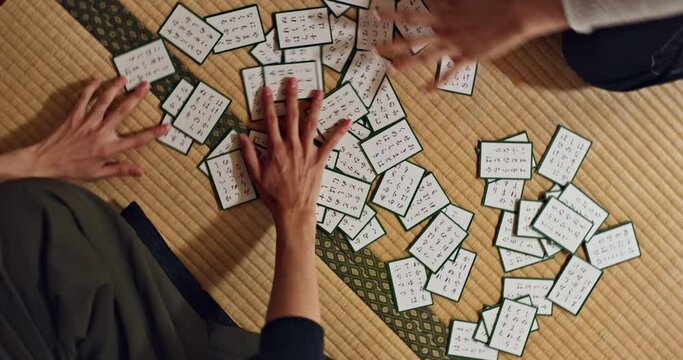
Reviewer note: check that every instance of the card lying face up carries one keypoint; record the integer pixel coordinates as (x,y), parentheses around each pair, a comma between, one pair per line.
(301,28)
(437,242)
(306,74)
(201,112)
(231,180)
(190,33)
(574,284)
(149,63)
(505,160)
(240,27)
(564,156)
(408,278)
(343,193)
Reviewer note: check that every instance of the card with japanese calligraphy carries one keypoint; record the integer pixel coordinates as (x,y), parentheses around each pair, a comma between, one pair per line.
(190,33)
(360,131)
(307,53)
(537,289)
(480,334)
(564,156)
(366,73)
(408,278)
(429,199)
(461,216)
(451,279)
(240,27)
(522,137)
(437,241)
(503,194)
(527,301)
(613,246)
(461,342)
(576,199)
(230,179)
(228,143)
(462,81)
(320,213)
(337,54)
(513,260)
(512,328)
(506,238)
(391,146)
(201,112)
(550,247)
(352,161)
(259,138)
(331,162)
(149,62)
(331,220)
(364,4)
(175,101)
(373,31)
(574,284)
(267,52)
(252,80)
(343,193)
(306,74)
(369,234)
(526,213)
(561,224)
(410,30)
(398,187)
(338,9)
(505,160)
(175,139)
(386,109)
(351,226)
(300,28)
(342,103)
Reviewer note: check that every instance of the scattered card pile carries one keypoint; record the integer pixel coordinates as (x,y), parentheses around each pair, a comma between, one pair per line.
(532,231)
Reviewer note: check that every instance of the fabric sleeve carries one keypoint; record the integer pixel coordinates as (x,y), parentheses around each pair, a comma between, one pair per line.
(291,338)
(584,16)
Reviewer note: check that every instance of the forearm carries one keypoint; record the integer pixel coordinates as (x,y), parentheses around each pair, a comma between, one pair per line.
(295,283)
(587,15)
(17,164)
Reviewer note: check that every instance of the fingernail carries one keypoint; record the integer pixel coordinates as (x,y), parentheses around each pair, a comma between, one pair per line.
(375,14)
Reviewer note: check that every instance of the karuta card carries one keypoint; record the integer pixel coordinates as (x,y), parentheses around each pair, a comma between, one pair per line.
(574,284)
(450,280)
(386,109)
(461,216)
(559,223)
(513,260)
(489,316)
(229,142)
(505,160)
(337,54)
(252,80)
(480,334)
(331,220)
(372,30)
(521,137)
(259,138)
(585,206)
(365,72)
(201,112)
(175,101)
(506,239)
(149,62)
(437,242)
(306,74)
(308,53)
(343,193)
(342,103)
(429,199)
(336,8)
(537,289)
(564,156)
(526,213)
(369,234)
(409,30)
(461,342)
(231,180)
(550,247)
(360,131)
(351,226)
(240,27)
(408,278)
(613,246)
(190,33)
(503,194)
(512,328)
(352,161)
(398,187)
(319,213)
(356,3)
(391,146)
(175,139)
(267,52)
(526,300)
(299,28)
(462,81)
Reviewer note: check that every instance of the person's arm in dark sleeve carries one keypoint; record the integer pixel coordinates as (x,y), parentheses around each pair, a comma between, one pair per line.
(587,15)
(291,338)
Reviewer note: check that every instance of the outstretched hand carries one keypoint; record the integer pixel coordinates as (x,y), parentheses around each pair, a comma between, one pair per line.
(469,30)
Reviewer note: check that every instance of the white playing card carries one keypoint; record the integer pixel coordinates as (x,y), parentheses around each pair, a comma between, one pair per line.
(537,289)
(450,280)
(190,33)
(356,3)
(559,223)
(343,193)
(175,139)
(564,156)
(352,161)
(613,246)
(585,206)
(337,54)
(386,109)
(231,180)
(526,213)
(513,325)
(228,143)
(574,284)
(408,278)
(336,8)
(461,216)
(506,239)
(299,28)
(462,344)
(513,260)
(332,159)
(306,74)
(201,112)
(505,160)
(391,146)
(373,31)
(360,131)
(267,52)
(175,101)
(369,234)
(437,242)
(462,81)
(503,194)
(342,103)
(331,220)
(149,62)
(307,53)
(398,187)
(409,30)
(351,226)
(550,247)
(252,80)
(429,199)
(240,27)
(366,72)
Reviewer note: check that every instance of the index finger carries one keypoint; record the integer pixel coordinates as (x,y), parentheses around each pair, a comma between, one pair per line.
(272,122)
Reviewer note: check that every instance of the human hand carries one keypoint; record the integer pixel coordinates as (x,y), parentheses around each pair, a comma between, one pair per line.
(289,176)
(83,148)
(469,30)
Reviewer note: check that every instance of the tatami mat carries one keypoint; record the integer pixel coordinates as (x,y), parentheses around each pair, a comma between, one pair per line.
(633,169)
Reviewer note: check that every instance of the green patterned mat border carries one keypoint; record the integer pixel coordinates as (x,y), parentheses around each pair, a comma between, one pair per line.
(119,31)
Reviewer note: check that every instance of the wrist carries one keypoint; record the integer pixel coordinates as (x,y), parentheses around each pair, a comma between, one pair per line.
(541,17)
(295,225)
(19,164)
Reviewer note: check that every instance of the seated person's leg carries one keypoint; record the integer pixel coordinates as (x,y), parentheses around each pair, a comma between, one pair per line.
(628,57)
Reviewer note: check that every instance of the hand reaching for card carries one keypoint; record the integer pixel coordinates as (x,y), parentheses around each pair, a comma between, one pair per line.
(288,178)
(85,145)
(469,30)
